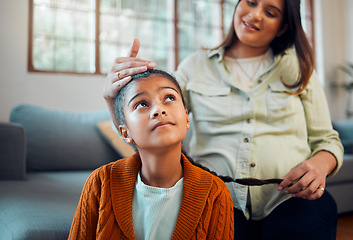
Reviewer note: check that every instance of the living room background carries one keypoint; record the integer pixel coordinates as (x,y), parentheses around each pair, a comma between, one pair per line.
(72,92)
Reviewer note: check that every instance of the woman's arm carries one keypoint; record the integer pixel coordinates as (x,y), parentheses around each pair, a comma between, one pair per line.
(309,177)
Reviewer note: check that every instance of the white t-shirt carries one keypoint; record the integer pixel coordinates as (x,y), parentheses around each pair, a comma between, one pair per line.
(155,210)
(250,69)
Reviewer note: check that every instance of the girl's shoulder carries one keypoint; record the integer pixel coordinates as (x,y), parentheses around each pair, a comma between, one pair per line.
(206,180)
(100,174)
(120,165)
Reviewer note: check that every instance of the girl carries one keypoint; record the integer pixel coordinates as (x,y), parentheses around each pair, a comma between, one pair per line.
(156,193)
(259,111)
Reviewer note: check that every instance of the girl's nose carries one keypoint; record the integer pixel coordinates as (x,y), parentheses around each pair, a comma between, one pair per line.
(158,112)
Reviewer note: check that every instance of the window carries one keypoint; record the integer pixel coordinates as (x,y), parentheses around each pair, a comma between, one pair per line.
(62,36)
(85,36)
(307,20)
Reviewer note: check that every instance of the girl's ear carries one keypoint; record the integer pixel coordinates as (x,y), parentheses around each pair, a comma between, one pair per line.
(124,132)
(187,120)
(282,30)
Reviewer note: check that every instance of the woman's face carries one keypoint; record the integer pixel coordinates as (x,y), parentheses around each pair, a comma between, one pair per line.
(154,113)
(258,22)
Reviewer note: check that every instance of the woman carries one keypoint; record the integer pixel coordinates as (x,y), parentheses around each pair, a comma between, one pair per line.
(259,111)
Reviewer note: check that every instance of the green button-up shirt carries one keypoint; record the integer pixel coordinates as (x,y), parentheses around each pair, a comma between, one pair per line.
(262,133)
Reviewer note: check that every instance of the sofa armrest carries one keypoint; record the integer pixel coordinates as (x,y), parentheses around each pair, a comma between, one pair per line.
(12,152)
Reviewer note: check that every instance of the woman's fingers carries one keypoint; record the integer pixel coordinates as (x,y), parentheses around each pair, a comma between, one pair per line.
(122,70)
(131,68)
(134,48)
(304,181)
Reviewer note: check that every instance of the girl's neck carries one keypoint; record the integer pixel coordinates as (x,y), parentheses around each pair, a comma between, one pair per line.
(161,168)
(239,50)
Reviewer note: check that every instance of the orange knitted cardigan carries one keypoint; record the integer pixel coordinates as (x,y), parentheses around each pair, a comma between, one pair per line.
(105,207)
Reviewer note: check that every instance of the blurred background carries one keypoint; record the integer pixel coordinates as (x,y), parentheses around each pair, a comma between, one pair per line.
(55,53)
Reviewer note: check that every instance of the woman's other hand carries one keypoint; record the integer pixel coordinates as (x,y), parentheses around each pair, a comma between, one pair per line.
(308,179)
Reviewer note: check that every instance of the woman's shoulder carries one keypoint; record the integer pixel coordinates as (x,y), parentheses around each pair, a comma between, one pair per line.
(201,56)
(198,62)
(288,58)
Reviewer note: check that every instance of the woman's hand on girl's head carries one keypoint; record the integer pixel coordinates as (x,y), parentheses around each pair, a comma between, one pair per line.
(308,179)
(122,70)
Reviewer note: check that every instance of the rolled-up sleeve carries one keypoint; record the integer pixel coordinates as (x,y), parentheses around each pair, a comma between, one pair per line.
(321,135)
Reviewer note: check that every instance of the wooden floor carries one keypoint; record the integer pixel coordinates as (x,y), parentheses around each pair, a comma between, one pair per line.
(345,227)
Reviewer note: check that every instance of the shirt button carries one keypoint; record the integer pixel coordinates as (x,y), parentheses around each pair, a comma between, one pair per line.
(259,81)
(246,140)
(253,164)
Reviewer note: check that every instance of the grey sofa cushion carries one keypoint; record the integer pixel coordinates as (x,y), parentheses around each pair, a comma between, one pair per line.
(12,152)
(345,130)
(42,206)
(345,172)
(61,140)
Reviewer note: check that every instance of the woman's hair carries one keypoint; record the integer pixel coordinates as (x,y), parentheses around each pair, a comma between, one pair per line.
(119,103)
(293,36)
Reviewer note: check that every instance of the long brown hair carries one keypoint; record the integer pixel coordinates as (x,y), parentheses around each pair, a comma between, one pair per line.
(293,36)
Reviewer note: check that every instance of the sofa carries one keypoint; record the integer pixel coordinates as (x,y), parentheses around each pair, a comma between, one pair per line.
(341,185)
(46,156)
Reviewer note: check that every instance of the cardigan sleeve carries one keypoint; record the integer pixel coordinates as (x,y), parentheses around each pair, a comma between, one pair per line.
(222,217)
(85,220)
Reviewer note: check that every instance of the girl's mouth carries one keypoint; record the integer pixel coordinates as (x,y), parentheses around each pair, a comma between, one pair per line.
(161,124)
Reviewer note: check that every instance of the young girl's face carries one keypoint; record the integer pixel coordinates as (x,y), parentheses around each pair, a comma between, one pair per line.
(154,113)
(258,22)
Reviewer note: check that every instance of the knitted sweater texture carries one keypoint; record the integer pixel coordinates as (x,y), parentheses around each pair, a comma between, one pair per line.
(105,207)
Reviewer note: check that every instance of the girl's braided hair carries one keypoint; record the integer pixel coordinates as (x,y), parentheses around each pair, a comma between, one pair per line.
(242,181)
(119,102)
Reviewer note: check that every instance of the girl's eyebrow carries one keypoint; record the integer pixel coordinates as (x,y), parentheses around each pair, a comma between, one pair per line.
(141,93)
(170,88)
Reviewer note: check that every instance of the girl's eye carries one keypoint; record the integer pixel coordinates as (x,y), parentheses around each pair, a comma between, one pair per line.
(251,3)
(141,105)
(170,98)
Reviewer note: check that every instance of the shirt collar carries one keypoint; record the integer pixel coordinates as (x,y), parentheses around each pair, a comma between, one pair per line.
(219,53)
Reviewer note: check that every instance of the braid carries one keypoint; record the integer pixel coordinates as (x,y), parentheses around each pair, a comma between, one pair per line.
(242,181)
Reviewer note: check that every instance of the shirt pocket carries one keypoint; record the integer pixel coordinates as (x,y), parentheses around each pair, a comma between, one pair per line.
(209,102)
(281,104)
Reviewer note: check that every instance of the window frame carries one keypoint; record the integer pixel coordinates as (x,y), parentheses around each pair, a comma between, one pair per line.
(30,68)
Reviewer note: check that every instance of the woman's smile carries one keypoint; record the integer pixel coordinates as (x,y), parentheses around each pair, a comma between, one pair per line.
(250,26)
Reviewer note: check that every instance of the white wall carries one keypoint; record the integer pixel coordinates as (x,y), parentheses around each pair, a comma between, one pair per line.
(83,92)
(58,91)
(334,39)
